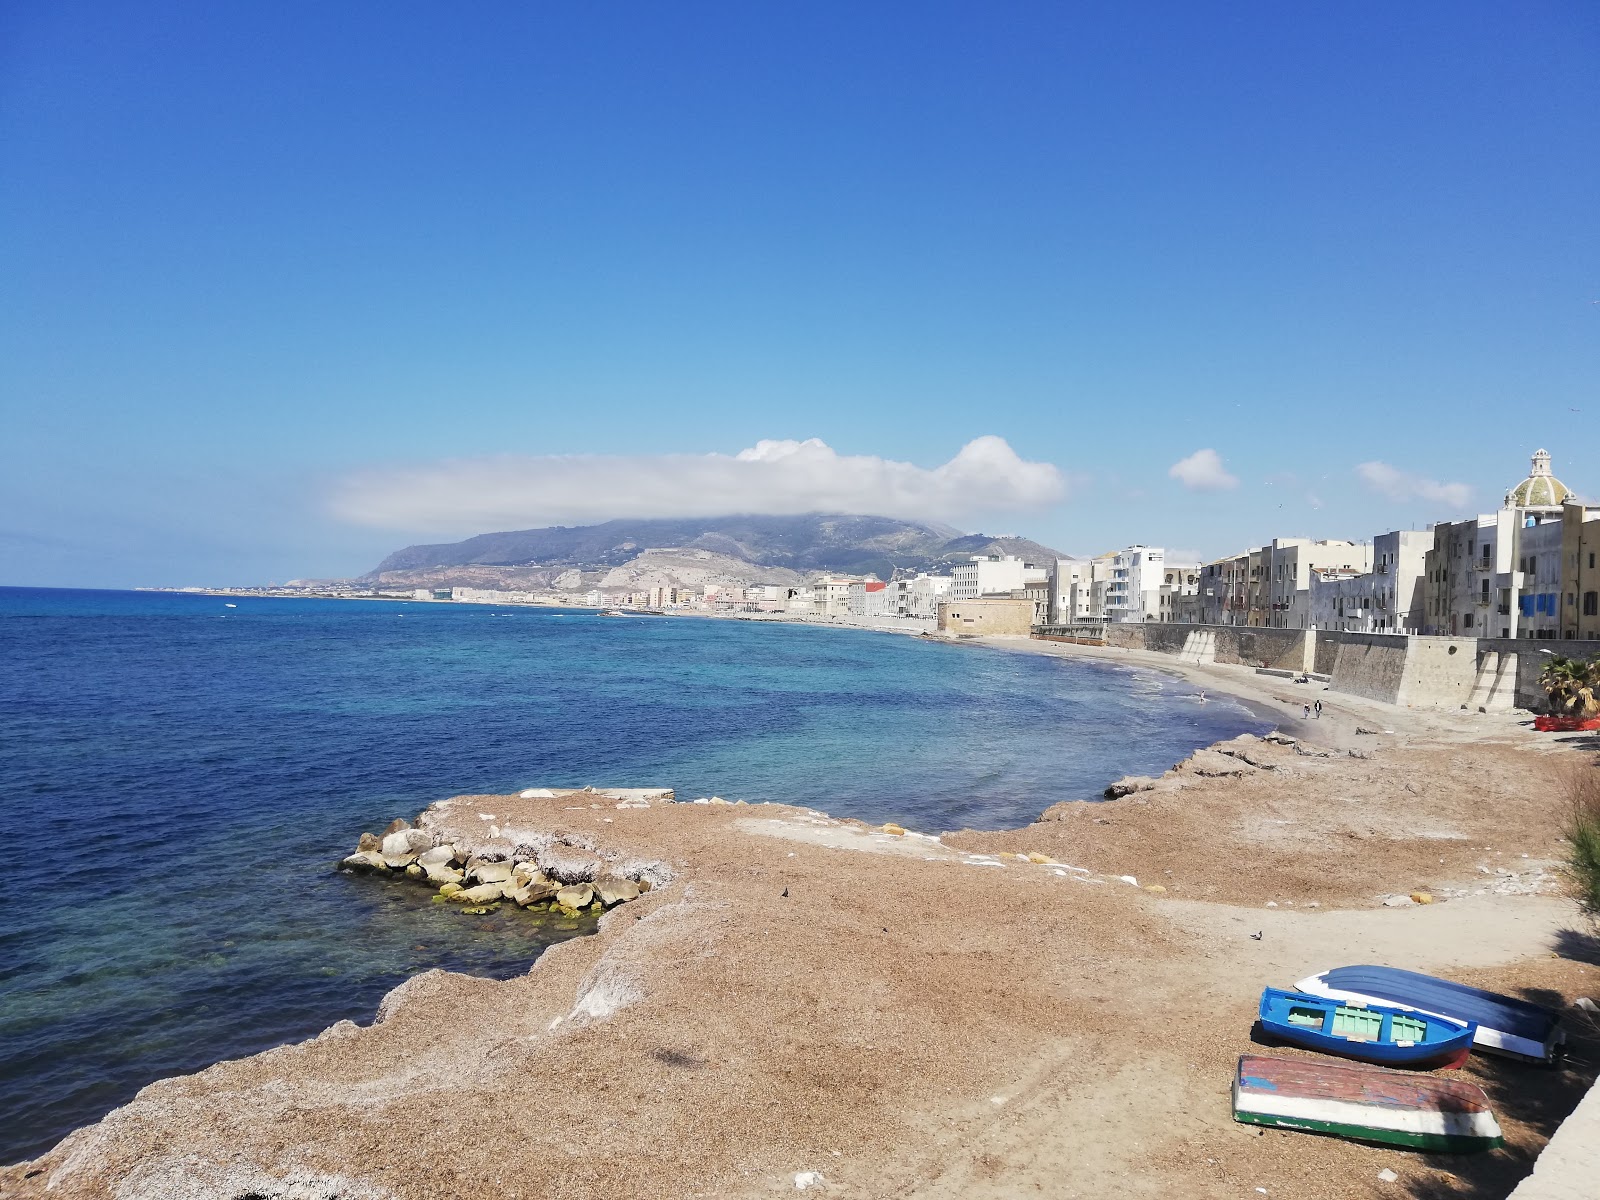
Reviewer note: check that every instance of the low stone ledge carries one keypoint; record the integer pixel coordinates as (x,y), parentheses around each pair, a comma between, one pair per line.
(480,865)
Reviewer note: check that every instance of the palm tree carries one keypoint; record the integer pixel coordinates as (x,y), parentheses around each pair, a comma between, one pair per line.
(1571,684)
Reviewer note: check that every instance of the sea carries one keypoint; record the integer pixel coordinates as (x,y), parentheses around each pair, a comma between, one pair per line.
(180,773)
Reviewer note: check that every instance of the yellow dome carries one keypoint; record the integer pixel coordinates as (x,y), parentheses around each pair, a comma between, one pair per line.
(1540,489)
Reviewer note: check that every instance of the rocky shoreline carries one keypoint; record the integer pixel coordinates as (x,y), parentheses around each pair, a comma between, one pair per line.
(776,996)
(480,868)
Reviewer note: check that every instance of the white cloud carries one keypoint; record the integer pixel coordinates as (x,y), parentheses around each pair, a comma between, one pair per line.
(772,477)
(1203,471)
(1402,486)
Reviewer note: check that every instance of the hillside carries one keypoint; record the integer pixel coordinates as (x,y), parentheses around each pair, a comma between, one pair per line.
(689,552)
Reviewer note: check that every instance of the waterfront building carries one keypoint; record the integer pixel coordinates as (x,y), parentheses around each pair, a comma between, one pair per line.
(1178,598)
(1480,571)
(1222,597)
(830,596)
(1133,591)
(1078,589)
(1580,576)
(1470,581)
(1541,559)
(1287,583)
(1386,599)
(869,598)
(919,597)
(992,575)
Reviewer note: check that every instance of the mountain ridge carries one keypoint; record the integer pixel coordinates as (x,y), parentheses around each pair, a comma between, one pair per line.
(753,547)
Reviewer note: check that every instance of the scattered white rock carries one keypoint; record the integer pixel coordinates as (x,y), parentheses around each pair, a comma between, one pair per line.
(490,872)
(1387,1175)
(576,896)
(1129,879)
(808,1179)
(1397,901)
(615,891)
(534,794)
(436,856)
(1586,1004)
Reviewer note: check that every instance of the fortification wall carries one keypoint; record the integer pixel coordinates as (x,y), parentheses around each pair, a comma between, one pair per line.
(1440,672)
(1284,649)
(986,617)
(1364,664)
(1425,672)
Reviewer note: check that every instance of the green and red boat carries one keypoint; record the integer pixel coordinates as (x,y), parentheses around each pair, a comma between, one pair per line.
(1369,1104)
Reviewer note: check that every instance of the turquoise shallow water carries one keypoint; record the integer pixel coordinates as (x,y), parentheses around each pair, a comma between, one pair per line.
(180,776)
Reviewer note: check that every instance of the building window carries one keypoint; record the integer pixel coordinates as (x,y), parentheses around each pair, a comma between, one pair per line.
(1591,604)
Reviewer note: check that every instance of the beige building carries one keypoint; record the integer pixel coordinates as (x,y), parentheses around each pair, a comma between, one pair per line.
(1078,589)
(1580,576)
(985,617)
(830,597)
(1287,584)
(1178,598)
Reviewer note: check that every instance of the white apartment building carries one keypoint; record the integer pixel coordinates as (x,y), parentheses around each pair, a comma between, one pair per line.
(1133,591)
(920,597)
(992,575)
(1387,599)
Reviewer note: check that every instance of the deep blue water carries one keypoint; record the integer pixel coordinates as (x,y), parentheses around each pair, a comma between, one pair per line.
(177,778)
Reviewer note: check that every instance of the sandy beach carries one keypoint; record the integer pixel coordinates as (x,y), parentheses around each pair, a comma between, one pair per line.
(819,1005)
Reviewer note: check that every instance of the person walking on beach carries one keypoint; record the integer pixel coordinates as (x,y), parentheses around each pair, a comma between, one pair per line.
(1319,710)
(1307,714)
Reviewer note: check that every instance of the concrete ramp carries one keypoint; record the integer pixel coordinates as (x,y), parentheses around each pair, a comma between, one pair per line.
(1199,646)
(1495,687)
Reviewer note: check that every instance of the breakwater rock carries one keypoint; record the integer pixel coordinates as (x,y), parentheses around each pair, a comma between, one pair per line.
(474,861)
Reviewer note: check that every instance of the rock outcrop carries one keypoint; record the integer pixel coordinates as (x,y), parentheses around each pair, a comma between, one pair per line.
(567,872)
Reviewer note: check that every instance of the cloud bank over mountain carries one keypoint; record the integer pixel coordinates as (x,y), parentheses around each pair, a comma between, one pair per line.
(772,477)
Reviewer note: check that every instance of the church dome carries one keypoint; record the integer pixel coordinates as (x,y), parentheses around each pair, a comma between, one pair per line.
(1540,489)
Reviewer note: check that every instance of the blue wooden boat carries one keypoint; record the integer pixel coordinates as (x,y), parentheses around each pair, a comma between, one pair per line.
(1391,1037)
(1505,1025)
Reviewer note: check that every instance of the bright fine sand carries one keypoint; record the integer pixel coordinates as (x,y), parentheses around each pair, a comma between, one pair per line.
(906,1015)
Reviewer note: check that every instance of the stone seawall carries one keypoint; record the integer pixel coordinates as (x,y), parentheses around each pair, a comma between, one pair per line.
(1238,645)
(1412,670)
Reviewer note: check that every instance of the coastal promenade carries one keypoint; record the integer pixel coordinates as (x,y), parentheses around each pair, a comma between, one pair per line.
(816,1004)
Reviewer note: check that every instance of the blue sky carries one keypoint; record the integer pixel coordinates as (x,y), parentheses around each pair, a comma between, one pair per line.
(275,278)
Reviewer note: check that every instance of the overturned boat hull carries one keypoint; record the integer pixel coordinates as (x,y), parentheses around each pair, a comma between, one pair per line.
(1368,1104)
